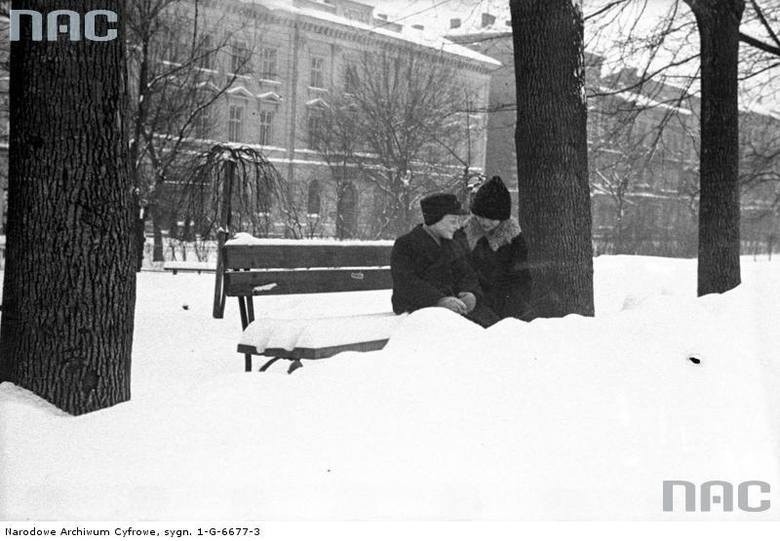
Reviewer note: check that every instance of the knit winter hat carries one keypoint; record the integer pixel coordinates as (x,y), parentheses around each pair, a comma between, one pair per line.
(492,200)
(437,206)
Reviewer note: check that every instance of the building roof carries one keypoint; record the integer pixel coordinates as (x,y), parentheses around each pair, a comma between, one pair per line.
(407,34)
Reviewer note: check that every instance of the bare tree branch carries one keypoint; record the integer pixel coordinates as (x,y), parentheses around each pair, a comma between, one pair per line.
(758,44)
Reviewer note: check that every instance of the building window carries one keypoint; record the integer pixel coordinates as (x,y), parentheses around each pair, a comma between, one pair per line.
(266,122)
(314,201)
(314,128)
(202,124)
(673,178)
(647,177)
(236,123)
(171,48)
(206,53)
(268,57)
(356,15)
(317,78)
(676,144)
(351,81)
(658,215)
(239,58)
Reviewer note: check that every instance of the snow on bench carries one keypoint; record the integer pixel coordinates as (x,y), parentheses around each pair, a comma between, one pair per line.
(190,266)
(317,338)
(248,267)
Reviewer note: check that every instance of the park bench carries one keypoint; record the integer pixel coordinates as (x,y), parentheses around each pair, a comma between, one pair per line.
(249,267)
(190,266)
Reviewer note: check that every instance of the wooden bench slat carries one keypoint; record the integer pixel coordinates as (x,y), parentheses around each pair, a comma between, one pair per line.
(243,283)
(240,256)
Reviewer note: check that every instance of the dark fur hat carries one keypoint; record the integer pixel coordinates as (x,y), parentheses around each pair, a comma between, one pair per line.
(492,200)
(437,206)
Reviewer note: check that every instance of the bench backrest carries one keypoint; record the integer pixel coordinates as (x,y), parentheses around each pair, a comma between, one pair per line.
(278,269)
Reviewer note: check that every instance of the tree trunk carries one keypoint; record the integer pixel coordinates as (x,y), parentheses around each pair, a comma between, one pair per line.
(552,155)
(157,239)
(718,22)
(69,290)
(138,121)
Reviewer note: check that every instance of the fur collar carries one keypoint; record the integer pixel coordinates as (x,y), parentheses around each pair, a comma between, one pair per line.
(503,234)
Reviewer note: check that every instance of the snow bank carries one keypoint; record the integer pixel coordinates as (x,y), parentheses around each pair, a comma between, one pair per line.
(567,418)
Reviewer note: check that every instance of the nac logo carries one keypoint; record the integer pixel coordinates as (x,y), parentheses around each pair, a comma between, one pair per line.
(64,21)
(720,494)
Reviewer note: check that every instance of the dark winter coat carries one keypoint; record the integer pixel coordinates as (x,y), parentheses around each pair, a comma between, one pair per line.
(424,271)
(500,259)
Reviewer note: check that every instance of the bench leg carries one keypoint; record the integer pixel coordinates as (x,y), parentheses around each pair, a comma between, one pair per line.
(295,365)
(247,362)
(242,310)
(269,363)
(250,310)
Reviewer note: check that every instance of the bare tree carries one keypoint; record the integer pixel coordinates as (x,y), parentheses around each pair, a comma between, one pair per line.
(405,124)
(668,55)
(69,288)
(303,210)
(760,160)
(333,130)
(552,153)
(234,187)
(642,148)
(177,85)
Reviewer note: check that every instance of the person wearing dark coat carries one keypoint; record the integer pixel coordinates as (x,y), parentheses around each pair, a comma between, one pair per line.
(430,269)
(498,252)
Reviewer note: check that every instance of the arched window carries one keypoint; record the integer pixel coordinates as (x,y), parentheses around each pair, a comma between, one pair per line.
(314,200)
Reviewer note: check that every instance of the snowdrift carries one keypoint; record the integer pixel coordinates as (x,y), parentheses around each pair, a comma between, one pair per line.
(555,419)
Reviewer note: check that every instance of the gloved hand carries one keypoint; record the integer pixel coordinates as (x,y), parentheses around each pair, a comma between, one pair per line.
(469,299)
(452,303)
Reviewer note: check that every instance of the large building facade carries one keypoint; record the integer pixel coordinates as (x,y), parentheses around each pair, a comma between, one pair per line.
(297,60)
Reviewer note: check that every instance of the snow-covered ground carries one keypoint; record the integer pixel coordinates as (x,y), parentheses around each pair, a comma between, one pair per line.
(567,418)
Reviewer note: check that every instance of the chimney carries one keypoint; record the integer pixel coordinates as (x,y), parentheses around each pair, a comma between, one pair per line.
(508,22)
(454,23)
(418,27)
(488,19)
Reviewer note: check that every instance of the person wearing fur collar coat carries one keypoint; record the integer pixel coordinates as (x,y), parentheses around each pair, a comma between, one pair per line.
(497,251)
